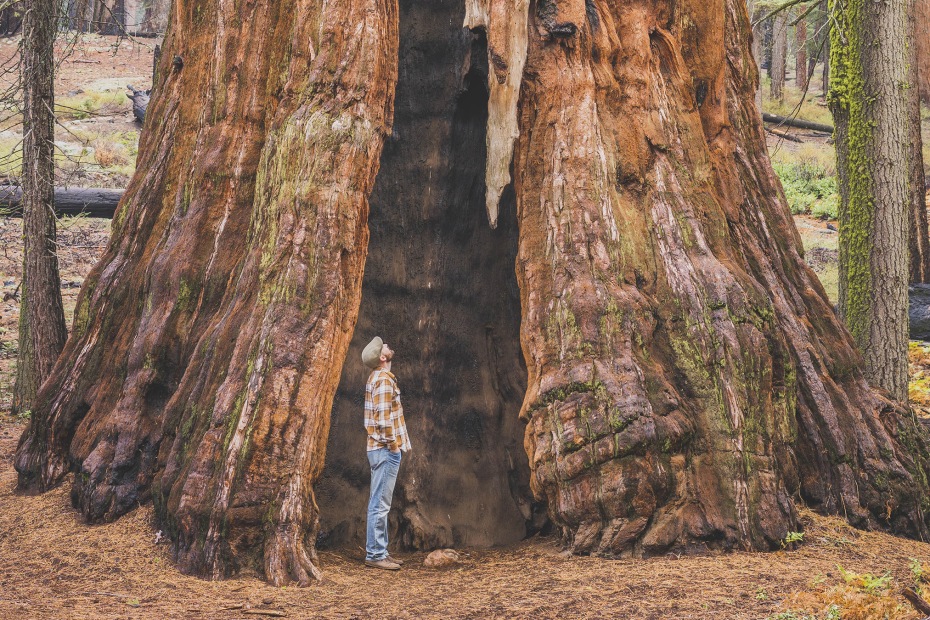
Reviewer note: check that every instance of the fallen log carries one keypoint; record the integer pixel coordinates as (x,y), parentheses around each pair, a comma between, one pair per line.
(784,134)
(91,201)
(796,122)
(917,601)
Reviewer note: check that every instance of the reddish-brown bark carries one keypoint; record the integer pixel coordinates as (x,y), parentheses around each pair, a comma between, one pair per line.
(918,70)
(208,341)
(687,377)
(921,25)
(800,59)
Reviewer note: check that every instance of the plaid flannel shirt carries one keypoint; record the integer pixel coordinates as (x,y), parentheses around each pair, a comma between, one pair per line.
(384,415)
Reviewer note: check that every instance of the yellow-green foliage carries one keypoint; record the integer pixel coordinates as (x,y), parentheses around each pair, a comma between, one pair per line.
(11,156)
(89,103)
(918,389)
(808,176)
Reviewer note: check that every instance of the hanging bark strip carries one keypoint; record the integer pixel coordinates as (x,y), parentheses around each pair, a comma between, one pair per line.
(208,342)
(687,375)
(505,22)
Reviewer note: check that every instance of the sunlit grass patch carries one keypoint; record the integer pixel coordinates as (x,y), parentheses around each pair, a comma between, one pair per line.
(918,388)
(88,104)
(11,156)
(811,109)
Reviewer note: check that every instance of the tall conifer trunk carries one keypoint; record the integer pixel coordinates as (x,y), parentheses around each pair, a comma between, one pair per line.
(919,245)
(868,98)
(779,56)
(42,330)
(208,341)
(687,376)
(800,59)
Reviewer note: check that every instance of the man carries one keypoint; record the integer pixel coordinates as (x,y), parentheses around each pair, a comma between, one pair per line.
(387,440)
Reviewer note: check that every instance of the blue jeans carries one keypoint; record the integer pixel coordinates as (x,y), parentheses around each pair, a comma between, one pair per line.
(384,466)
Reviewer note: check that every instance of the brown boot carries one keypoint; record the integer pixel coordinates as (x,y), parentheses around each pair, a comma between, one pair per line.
(395,560)
(385,563)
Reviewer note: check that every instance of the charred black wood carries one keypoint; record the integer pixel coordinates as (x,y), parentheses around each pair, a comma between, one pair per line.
(140,101)
(90,201)
(797,122)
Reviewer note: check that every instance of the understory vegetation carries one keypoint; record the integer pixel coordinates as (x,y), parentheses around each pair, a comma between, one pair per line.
(807,170)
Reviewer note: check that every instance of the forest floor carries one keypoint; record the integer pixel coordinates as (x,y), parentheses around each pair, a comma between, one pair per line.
(52,565)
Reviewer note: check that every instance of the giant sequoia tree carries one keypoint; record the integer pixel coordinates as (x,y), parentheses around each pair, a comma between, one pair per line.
(682,375)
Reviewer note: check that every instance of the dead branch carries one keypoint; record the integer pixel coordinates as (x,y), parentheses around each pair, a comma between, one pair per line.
(917,601)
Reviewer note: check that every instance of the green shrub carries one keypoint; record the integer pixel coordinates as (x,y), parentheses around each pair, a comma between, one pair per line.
(810,187)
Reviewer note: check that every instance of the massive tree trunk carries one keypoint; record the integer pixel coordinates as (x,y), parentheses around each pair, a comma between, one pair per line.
(208,341)
(756,12)
(42,330)
(779,56)
(868,99)
(685,376)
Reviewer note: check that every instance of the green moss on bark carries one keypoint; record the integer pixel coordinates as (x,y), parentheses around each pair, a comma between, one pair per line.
(848,100)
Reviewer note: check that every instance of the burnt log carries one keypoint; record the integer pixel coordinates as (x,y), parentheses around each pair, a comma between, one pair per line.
(140,101)
(797,122)
(89,201)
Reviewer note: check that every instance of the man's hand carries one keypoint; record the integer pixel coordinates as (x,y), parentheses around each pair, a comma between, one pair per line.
(393,447)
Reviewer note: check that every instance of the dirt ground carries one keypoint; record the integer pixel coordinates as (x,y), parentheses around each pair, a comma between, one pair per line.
(52,565)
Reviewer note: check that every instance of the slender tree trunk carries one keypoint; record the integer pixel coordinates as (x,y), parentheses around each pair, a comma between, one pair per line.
(800,59)
(869,102)
(919,240)
(921,25)
(155,19)
(825,72)
(779,56)
(42,329)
